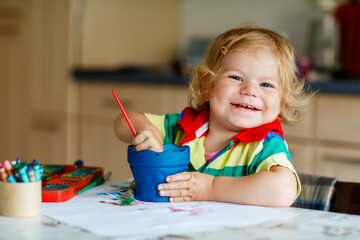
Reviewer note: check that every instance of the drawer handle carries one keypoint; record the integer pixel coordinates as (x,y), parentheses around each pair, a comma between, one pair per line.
(342,159)
(110,103)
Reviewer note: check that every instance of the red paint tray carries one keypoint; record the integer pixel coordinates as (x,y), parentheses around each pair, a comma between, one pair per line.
(65,185)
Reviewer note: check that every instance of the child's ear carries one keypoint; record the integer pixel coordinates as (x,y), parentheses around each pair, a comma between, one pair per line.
(207,98)
(207,95)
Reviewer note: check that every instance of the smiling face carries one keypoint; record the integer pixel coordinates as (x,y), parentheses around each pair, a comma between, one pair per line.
(246,91)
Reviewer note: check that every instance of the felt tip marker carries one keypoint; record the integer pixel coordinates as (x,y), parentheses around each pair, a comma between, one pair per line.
(16,172)
(125,114)
(8,168)
(3,175)
(11,179)
(24,174)
(41,171)
(31,173)
(36,168)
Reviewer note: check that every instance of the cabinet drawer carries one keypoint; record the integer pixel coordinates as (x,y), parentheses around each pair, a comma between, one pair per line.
(52,138)
(338,118)
(98,100)
(342,163)
(100,147)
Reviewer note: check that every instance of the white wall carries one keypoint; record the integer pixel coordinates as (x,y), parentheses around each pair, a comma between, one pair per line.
(212,17)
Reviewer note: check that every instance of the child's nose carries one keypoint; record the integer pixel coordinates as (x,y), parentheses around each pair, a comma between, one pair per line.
(249,88)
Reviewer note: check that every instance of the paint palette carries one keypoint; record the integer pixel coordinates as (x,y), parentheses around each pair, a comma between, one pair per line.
(55,171)
(67,181)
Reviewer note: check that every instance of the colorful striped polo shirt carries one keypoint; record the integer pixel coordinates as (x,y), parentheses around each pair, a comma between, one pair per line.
(251,151)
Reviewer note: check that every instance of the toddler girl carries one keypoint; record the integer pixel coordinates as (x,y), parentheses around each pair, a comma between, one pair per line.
(246,85)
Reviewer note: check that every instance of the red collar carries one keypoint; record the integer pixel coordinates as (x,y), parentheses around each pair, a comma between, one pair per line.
(195,125)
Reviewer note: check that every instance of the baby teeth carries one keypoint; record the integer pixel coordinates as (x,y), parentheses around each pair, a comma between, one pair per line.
(245,106)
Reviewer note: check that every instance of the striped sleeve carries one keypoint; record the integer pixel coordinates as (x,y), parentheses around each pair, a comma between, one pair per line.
(274,153)
(166,124)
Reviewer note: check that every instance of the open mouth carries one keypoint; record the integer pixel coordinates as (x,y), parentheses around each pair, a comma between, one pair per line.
(244,106)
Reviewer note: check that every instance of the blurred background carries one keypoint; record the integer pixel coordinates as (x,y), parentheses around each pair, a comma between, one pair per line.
(60,59)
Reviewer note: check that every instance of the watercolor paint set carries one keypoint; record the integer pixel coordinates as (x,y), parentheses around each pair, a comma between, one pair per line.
(63,182)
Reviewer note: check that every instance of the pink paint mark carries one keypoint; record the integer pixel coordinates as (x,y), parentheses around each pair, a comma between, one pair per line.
(176,209)
(196,210)
(143,209)
(137,203)
(109,203)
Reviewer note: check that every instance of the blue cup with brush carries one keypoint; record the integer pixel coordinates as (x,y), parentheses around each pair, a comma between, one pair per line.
(150,168)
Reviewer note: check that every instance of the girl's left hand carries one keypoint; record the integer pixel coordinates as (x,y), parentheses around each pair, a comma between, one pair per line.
(187,186)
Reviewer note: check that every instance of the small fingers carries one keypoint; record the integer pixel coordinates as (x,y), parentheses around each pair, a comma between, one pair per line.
(177,187)
(140,138)
(173,185)
(177,195)
(183,176)
(180,199)
(144,141)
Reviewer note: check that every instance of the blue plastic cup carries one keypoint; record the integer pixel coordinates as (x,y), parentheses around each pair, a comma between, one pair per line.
(150,168)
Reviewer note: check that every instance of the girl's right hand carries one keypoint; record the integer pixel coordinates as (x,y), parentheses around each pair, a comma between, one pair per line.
(148,139)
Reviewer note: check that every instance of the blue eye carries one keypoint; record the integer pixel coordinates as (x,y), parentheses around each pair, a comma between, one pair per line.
(265,85)
(236,78)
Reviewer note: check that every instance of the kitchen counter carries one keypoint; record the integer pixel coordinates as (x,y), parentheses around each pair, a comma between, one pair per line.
(337,87)
(131,75)
(161,76)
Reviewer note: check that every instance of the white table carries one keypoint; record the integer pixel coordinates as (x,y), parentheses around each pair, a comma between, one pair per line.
(304,224)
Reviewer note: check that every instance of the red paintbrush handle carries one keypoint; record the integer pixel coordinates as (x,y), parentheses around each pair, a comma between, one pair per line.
(125,114)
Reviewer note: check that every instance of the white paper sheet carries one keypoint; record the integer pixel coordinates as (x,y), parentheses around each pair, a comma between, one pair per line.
(97,210)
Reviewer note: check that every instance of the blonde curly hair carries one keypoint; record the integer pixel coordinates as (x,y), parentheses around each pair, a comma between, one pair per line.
(294,97)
